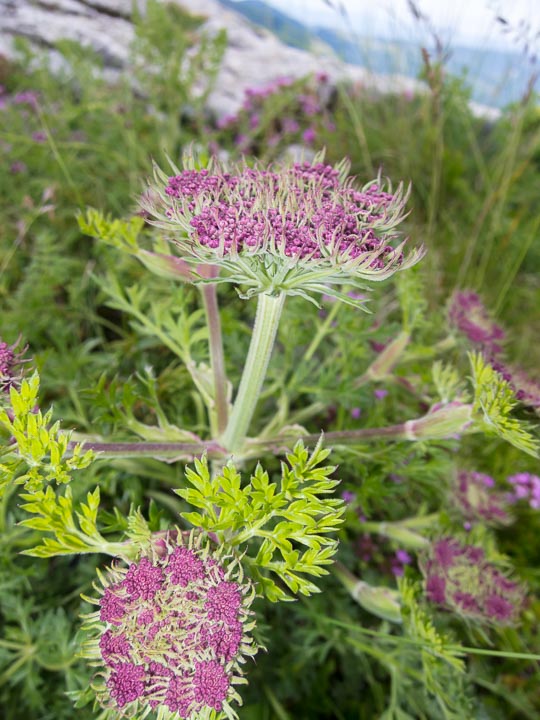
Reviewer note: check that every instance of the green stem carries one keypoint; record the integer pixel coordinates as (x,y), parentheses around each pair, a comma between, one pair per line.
(262,342)
(217,361)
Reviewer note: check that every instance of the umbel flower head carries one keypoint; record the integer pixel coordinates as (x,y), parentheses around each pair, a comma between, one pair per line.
(526,388)
(468,314)
(170,633)
(299,229)
(460,578)
(474,497)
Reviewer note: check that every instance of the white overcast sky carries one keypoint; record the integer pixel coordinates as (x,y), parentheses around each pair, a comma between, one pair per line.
(470,22)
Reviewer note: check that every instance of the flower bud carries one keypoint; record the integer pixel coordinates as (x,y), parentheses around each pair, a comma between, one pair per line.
(401,534)
(383,365)
(380,601)
(441,422)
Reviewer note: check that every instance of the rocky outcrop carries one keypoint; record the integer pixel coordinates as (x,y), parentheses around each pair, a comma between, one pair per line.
(254,57)
(103,25)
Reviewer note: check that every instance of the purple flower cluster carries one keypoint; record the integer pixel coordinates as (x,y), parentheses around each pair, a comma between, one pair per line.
(527,389)
(304,111)
(170,631)
(269,227)
(320,223)
(461,579)
(526,486)
(473,496)
(29,98)
(469,316)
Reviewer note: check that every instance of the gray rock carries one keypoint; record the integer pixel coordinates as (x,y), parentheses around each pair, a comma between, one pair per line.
(45,22)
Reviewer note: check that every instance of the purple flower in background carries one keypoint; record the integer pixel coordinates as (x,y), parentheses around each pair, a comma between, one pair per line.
(473,497)
(356,412)
(17,167)
(527,389)
(365,547)
(27,97)
(226,121)
(309,104)
(39,136)
(380,394)
(401,559)
(297,228)
(460,578)
(436,589)
(7,362)
(309,135)
(469,316)
(290,126)
(348,496)
(526,486)
(170,631)
(240,141)
(274,140)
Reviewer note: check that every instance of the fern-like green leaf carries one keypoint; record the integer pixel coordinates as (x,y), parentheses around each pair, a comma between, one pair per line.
(493,403)
(289,522)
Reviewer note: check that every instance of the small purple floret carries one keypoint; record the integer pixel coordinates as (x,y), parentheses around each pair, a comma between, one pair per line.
(223,602)
(143,580)
(211,684)
(112,607)
(184,567)
(126,683)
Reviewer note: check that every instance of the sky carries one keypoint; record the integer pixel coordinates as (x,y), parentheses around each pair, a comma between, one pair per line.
(469,22)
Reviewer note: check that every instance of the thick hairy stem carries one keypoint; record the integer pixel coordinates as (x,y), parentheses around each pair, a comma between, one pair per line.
(217,361)
(339,437)
(262,342)
(151,450)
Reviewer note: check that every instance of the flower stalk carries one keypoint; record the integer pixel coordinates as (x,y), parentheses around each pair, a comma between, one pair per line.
(217,360)
(269,309)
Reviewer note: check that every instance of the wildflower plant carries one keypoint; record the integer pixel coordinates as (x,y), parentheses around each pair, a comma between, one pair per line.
(300,230)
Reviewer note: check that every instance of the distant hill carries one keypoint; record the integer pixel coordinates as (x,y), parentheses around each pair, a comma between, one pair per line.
(289,31)
(496,77)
